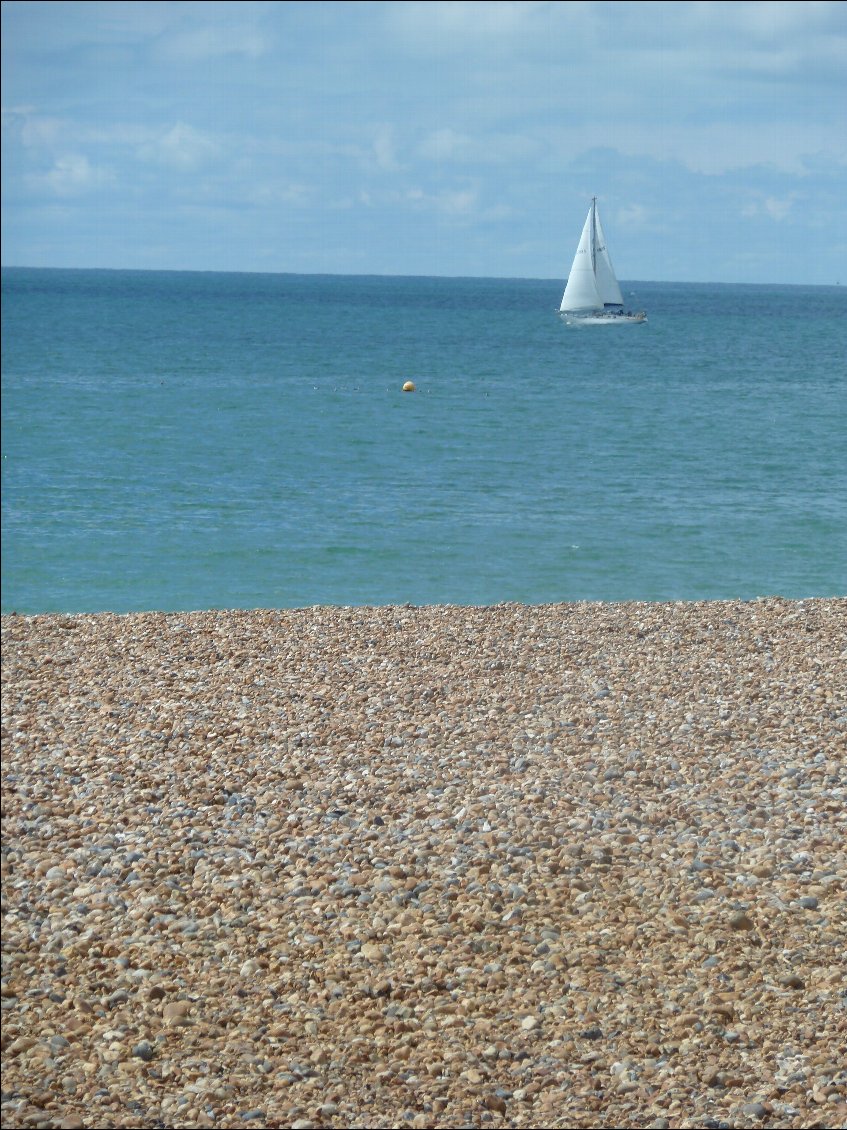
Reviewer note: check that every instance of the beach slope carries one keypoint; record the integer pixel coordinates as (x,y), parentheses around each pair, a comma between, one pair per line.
(577,865)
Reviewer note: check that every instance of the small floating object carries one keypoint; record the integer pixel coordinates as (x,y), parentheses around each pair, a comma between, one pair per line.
(409,386)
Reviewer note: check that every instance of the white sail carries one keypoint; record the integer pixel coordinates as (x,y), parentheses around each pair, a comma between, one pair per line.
(581,291)
(607,283)
(592,284)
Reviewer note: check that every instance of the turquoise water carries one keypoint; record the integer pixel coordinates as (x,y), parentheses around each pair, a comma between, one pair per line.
(194,440)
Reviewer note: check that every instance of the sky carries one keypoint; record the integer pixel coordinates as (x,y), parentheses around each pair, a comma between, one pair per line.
(457,139)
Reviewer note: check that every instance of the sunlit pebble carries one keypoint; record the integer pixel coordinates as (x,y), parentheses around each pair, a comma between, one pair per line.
(571,865)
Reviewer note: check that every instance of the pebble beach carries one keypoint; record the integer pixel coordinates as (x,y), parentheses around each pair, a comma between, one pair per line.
(570,865)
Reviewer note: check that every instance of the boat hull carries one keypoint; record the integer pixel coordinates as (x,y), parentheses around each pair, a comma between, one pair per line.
(604,319)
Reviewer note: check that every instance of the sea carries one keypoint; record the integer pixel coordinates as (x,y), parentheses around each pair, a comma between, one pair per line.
(178,440)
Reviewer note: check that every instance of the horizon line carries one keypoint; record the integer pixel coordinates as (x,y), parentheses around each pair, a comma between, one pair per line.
(391,275)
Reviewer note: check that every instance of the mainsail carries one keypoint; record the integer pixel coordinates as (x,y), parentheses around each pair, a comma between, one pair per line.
(581,290)
(591,284)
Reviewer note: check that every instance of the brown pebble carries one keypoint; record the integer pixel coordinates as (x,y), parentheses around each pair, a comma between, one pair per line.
(390,866)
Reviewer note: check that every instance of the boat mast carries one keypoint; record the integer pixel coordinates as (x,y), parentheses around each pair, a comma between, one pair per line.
(594,235)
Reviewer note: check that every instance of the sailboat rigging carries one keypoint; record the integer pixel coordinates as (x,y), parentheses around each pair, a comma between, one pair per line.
(592,295)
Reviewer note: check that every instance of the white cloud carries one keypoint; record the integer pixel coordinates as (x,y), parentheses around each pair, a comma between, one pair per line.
(214,41)
(774,207)
(445,145)
(34,130)
(768,20)
(449,146)
(384,150)
(458,26)
(181,147)
(73,175)
(711,148)
(449,202)
(453,202)
(458,202)
(633,216)
(273,195)
(778,209)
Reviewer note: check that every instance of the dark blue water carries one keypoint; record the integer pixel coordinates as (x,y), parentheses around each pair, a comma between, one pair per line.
(188,440)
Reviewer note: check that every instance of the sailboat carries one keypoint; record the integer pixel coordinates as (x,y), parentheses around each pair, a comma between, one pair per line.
(592,296)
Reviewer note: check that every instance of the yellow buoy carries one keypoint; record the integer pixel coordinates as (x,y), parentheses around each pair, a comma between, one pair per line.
(409,386)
